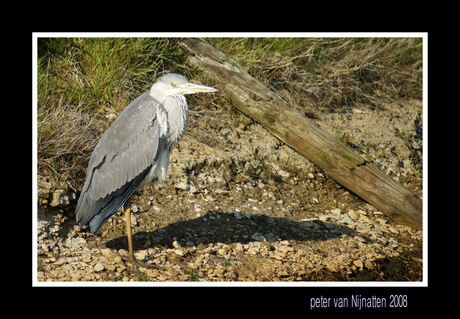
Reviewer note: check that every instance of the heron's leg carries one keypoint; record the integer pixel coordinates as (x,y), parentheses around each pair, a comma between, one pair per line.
(131,258)
(129,235)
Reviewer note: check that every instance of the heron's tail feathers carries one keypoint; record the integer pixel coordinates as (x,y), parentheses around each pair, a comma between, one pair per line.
(96,212)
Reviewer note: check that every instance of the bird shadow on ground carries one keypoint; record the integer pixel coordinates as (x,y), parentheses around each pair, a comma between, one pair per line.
(226,228)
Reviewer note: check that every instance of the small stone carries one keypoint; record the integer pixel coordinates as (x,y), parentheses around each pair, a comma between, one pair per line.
(111,116)
(76,277)
(133,220)
(140,255)
(331,267)
(258,237)
(99,267)
(284,249)
(59,198)
(61,261)
(183,277)
(134,208)
(152,273)
(176,244)
(358,263)
(283,173)
(193,189)
(369,264)
(68,268)
(110,267)
(394,230)
(222,251)
(336,211)
(86,257)
(75,243)
(179,252)
(103,260)
(106,252)
(123,252)
(353,215)
(238,215)
(182,186)
(364,218)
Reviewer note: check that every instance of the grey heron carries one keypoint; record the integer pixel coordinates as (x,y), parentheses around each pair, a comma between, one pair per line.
(134,151)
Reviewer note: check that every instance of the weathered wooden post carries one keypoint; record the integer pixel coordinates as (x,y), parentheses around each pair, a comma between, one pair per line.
(336,159)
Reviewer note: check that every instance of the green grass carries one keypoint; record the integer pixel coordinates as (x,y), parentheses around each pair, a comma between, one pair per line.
(344,137)
(100,73)
(191,273)
(40,266)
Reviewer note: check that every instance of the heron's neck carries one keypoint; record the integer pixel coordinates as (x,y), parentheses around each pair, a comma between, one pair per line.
(158,94)
(177,110)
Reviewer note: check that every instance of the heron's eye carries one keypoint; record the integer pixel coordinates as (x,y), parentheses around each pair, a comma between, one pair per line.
(173,85)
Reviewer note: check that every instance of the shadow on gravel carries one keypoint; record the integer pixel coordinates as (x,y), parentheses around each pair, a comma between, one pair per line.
(226,228)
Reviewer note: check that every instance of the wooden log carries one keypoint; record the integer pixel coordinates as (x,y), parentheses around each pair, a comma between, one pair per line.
(322,148)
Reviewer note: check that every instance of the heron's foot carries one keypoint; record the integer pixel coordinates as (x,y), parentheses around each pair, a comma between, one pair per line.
(136,263)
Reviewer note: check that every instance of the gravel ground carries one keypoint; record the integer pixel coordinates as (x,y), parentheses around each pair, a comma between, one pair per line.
(241,206)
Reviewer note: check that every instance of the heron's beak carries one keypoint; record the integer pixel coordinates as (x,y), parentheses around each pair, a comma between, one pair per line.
(190,88)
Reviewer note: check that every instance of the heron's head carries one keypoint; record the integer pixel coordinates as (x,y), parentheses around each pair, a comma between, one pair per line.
(171,83)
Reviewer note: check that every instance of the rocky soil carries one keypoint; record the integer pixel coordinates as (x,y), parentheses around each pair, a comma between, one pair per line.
(241,206)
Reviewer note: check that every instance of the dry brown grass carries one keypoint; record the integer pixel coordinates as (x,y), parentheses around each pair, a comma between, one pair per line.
(67,136)
(329,74)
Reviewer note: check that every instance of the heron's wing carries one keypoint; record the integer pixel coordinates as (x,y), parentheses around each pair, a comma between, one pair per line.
(124,152)
(127,147)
